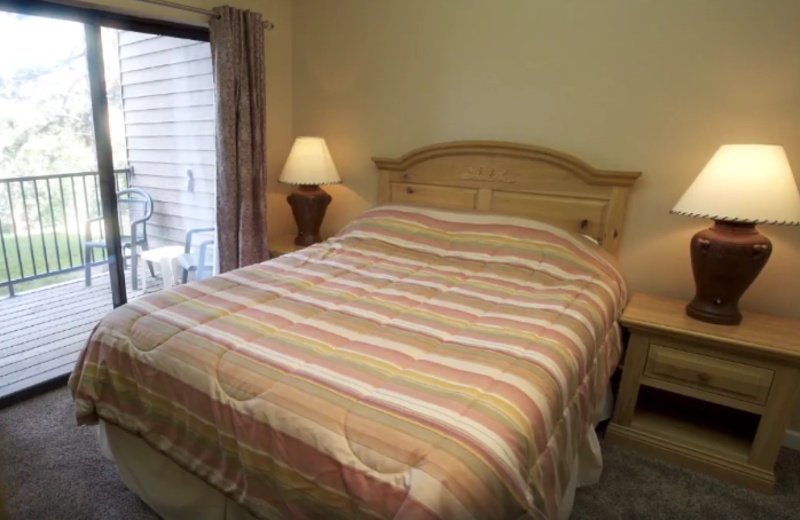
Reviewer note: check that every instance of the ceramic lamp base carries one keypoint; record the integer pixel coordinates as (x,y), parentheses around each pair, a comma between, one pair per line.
(309,204)
(726,259)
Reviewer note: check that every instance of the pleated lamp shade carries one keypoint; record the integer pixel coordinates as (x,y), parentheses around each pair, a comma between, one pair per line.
(744,183)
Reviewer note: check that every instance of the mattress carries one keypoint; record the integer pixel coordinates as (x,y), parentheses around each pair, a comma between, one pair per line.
(420,364)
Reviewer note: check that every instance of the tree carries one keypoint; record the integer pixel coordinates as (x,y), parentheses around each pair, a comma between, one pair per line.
(45,110)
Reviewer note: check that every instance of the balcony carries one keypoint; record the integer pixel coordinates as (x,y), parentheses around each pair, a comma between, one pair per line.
(46,309)
(41,227)
(43,331)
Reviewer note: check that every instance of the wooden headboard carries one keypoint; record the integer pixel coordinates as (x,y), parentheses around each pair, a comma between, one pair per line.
(511,179)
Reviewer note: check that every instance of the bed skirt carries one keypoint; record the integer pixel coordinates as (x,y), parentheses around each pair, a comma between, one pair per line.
(175,494)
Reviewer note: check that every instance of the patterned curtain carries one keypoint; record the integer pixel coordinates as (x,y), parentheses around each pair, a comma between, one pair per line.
(237,49)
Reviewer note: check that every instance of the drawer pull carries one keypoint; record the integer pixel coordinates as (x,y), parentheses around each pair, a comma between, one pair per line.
(409,190)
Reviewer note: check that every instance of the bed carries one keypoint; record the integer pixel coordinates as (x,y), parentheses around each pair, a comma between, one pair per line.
(444,356)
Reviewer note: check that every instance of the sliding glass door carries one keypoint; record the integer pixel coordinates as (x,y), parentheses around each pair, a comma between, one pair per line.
(107,175)
(165,97)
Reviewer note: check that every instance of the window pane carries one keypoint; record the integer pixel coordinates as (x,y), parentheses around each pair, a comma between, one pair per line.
(166,99)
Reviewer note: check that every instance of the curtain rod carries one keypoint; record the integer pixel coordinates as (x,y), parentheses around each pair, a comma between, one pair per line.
(268,26)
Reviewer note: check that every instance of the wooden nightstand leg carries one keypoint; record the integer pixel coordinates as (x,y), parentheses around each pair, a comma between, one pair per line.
(635,361)
(772,428)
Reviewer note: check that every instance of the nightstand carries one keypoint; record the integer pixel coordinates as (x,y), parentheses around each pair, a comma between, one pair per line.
(714,398)
(283,245)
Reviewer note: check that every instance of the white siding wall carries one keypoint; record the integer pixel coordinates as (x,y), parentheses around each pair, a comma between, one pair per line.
(168,97)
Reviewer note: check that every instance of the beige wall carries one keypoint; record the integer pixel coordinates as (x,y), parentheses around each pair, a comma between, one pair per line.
(279,75)
(627,84)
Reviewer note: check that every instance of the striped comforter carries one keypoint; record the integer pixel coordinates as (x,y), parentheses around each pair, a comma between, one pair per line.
(422,364)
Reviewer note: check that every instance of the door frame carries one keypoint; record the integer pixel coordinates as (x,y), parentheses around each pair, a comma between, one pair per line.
(103,18)
(105,164)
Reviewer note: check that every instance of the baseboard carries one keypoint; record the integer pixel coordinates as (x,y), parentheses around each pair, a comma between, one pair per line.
(33,391)
(792,440)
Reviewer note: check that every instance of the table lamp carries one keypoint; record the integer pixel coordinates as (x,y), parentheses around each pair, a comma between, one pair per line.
(309,165)
(741,186)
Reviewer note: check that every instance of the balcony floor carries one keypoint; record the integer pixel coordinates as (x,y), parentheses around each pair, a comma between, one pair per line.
(43,331)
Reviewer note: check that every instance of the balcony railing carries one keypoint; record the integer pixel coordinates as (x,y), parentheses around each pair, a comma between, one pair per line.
(41,224)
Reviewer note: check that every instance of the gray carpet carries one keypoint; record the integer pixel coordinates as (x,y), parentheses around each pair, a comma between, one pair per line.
(53,471)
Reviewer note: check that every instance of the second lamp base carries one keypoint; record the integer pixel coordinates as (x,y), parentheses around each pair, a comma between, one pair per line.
(309,204)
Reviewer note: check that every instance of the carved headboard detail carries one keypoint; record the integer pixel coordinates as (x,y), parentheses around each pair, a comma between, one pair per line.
(511,179)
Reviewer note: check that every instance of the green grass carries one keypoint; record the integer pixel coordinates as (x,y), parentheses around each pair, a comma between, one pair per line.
(32,252)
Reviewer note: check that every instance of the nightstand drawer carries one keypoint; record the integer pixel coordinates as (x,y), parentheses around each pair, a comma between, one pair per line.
(737,380)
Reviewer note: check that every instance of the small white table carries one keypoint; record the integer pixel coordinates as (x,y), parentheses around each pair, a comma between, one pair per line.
(166,257)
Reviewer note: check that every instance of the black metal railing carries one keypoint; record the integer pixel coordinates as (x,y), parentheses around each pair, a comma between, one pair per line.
(41,224)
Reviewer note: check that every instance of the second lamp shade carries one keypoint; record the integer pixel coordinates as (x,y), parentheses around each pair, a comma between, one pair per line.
(309,164)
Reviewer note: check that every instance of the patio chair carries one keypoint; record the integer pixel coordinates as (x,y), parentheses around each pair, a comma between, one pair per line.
(135,207)
(196,261)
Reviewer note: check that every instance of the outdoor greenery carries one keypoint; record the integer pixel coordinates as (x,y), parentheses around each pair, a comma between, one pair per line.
(32,253)
(46,128)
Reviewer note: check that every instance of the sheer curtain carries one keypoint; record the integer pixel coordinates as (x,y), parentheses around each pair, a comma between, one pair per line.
(237,48)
